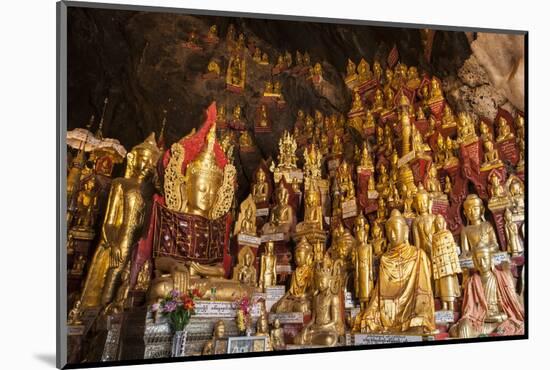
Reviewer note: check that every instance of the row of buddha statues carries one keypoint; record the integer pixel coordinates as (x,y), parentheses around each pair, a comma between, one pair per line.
(400,203)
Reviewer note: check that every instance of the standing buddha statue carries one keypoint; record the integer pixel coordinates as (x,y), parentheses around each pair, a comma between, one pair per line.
(446,265)
(363,262)
(122,225)
(268,267)
(423,225)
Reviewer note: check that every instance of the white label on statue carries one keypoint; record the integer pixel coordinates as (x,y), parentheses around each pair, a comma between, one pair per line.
(214,309)
(354,312)
(249,240)
(444,317)
(275,292)
(327,220)
(261,212)
(75,329)
(287,317)
(272,237)
(283,269)
(362,339)
(405,159)
(349,209)
(372,194)
(500,257)
(296,174)
(349,303)
(518,218)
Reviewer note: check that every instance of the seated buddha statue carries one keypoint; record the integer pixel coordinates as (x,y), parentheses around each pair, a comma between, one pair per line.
(122,225)
(448,117)
(357,103)
(257,56)
(466,129)
(377,70)
(282,217)
(477,228)
(326,322)
(433,186)
(342,245)
(436,94)
(345,182)
(199,184)
(264,120)
(413,81)
(516,193)
(260,189)
(378,239)
(337,149)
(245,272)
(484,132)
(490,157)
(378,104)
(363,71)
(298,297)
(246,222)
(351,74)
(504,132)
(490,303)
(313,214)
(236,72)
(402,300)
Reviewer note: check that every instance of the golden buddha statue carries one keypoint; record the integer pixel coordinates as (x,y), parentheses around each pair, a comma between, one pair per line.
(441,151)
(351,74)
(312,162)
(408,201)
(436,94)
(345,182)
(298,297)
(299,59)
(477,227)
(504,132)
(245,140)
(377,70)
(264,121)
(282,217)
(497,190)
(448,186)
(369,122)
(221,114)
(365,161)
(389,105)
(484,132)
(260,189)
(317,72)
(86,205)
(246,222)
(122,225)
(265,59)
(378,239)
(213,68)
(418,146)
(262,330)
(218,336)
(402,298)
(121,296)
(306,59)
(337,149)
(466,129)
(362,259)
(388,79)
(342,245)
(73,318)
(413,81)
(257,56)
(433,186)
(313,213)
(406,131)
(268,89)
(144,276)
(446,265)
(448,117)
(378,104)
(516,194)
(357,103)
(490,303)
(326,320)
(490,157)
(245,272)
(268,267)
(419,114)
(363,70)
(515,246)
(236,72)
(277,336)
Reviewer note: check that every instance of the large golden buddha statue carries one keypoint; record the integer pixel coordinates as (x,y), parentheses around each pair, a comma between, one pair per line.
(122,225)
(402,299)
(477,227)
(193,224)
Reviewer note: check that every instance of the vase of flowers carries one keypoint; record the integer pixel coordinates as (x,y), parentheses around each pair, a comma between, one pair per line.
(178,309)
(243,308)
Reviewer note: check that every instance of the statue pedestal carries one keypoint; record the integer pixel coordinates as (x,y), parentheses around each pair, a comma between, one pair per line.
(366,339)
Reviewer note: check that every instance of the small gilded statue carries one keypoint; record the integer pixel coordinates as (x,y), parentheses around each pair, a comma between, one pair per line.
(282,218)
(244,271)
(423,225)
(277,336)
(363,262)
(260,189)
(236,72)
(87,205)
(78,265)
(378,239)
(326,319)
(246,222)
(500,310)
(446,265)
(298,297)
(212,346)
(268,267)
(144,276)
(74,315)
(313,214)
(477,227)
(515,246)
(490,157)
(402,298)
(504,132)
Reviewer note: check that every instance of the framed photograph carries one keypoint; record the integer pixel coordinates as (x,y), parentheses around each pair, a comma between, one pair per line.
(246,344)
(277,184)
